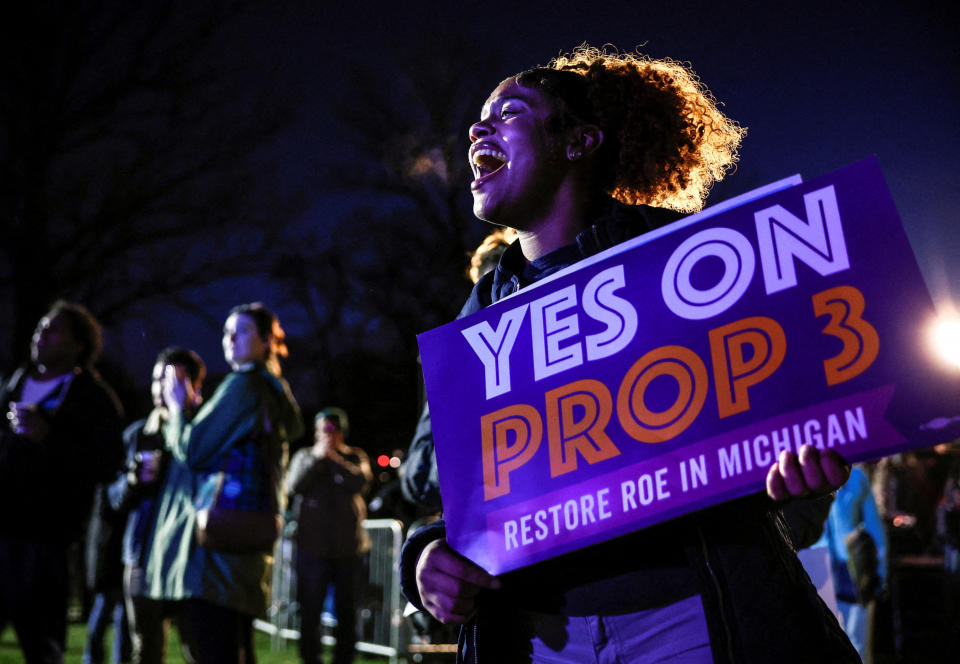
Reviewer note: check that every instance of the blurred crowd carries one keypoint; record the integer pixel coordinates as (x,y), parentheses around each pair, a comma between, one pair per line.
(171,519)
(176,515)
(892,535)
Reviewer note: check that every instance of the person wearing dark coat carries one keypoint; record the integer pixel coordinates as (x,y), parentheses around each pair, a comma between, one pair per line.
(579,156)
(325,484)
(233,442)
(59,439)
(104,570)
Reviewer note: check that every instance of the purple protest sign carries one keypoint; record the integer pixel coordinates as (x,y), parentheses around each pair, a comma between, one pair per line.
(667,374)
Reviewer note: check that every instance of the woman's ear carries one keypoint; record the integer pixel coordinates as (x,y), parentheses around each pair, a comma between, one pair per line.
(584,141)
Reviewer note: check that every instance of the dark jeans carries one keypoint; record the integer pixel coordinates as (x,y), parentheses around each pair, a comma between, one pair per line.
(216,634)
(147,620)
(107,606)
(33,597)
(314,576)
(145,617)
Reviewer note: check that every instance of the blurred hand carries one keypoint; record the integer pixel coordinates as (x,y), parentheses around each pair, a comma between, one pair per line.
(149,467)
(321,448)
(810,472)
(177,389)
(449,583)
(26,420)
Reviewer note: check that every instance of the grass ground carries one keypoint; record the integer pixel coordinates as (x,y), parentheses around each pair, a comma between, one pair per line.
(76,635)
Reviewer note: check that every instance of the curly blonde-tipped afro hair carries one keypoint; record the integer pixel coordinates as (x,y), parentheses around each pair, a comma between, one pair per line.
(665,140)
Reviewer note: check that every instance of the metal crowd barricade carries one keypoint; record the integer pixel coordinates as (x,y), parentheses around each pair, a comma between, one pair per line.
(379,606)
(284,611)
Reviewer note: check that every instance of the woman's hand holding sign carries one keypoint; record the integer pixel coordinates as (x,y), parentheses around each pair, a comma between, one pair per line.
(449,583)
(810,472)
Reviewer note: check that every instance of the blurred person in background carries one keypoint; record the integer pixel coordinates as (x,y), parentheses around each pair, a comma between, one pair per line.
(134,493)
(104,572)
(854,510)
(325,485)
(60,437)
(486,256)
(908,487)
(948,535)
(238,436)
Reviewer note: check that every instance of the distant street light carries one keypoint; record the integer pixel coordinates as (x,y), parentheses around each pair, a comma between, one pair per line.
(946,339)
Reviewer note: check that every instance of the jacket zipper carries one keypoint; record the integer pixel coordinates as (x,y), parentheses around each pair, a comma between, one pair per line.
(719,591)
(476,656)
(468,633)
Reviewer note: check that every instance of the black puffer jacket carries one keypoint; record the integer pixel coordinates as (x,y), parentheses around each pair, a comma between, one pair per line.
(738,556)
(47,487)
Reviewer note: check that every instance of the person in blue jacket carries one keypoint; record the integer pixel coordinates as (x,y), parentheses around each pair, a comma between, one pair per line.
(247,421)
(853,508)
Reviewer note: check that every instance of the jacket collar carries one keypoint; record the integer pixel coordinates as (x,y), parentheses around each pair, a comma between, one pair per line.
(616,224)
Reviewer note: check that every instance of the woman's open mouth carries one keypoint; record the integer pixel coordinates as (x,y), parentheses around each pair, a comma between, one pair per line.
(486,160)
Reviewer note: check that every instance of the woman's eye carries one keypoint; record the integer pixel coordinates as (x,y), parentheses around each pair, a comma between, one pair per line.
(507,111)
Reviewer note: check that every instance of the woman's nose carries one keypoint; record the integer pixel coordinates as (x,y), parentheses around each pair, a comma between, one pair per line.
(478,130)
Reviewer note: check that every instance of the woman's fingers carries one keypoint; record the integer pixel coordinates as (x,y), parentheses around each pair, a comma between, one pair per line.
(449,583)
(812,471)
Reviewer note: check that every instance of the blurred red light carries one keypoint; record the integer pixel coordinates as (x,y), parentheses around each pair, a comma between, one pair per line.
(383,461)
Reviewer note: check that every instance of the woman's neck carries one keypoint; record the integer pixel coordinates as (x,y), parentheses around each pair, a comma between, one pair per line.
(539,242)
(559,227)
(566,219)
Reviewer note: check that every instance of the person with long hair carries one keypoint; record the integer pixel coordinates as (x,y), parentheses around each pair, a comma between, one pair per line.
(240,432)
(591,150)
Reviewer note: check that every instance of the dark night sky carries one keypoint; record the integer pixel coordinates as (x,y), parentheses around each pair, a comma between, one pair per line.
(818,84)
